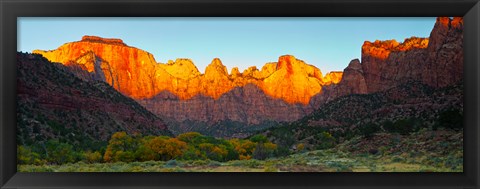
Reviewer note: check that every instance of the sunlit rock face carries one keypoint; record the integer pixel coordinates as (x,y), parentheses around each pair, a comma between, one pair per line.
(135,72)
(279,91)
(385,62)
(332,78)
(181,68)
(129,70)
(293,81)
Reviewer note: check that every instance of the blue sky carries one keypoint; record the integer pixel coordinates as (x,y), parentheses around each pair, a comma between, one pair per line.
(328,43)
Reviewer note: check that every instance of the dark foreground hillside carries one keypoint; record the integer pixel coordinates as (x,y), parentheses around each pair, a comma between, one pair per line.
(55,105)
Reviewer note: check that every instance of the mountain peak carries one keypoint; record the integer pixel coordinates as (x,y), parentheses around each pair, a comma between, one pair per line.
(445,21)
(457,22)
(354,64)
(443,26)
(217,62)
(182,68)
(235,72)
(216,66)
(96,39)
(285,62)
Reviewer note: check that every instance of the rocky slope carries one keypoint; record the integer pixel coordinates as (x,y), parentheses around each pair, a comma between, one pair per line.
(408,107)
(53,103)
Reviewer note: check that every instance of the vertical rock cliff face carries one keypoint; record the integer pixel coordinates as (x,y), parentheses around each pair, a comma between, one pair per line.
(445,52)
(385,63)
(247,104)
(129,70)
(280,91)
(436,61)
(353,81)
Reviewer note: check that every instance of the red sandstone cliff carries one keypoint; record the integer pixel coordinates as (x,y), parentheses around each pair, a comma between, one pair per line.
(178,90)
(135,72)
(436,61)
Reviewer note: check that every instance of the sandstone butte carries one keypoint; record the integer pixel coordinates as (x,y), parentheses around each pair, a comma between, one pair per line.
(135,72)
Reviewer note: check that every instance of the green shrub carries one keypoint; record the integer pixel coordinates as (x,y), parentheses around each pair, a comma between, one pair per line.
(368,130)
(26,156)
(326,140)
(172,163)
(264,150)
(259,138)
(60,153)
(403,126)
(450,119)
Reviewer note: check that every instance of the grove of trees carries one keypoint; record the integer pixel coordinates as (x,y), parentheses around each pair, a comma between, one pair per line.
(123,147)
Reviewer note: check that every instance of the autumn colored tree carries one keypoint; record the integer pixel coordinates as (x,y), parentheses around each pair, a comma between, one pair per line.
(166,148)
(92,157)
(124,156)
(174,148)
(300,147)
(121,147)
(244,148)
(214,152)
(144,151)
(187,146)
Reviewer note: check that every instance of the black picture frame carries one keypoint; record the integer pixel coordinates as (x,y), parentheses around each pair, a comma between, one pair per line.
(11,9)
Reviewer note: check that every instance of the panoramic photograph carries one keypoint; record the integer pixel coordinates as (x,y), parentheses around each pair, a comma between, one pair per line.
(212,94)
